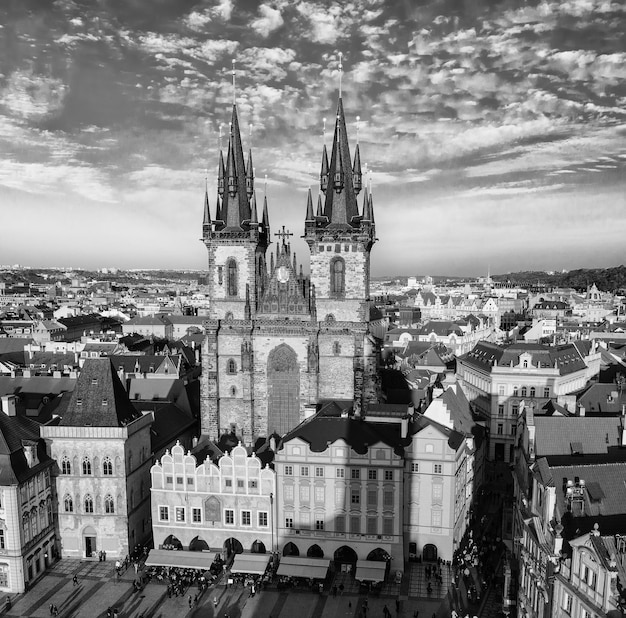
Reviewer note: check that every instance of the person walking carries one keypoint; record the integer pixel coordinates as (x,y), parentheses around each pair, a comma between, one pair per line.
(75,580)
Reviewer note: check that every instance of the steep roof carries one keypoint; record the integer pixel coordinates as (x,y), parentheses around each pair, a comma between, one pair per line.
(99,398)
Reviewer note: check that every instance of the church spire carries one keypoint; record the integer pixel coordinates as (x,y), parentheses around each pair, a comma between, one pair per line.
(357,177)
(254,219)
(320,212)
(221,173)
(206,221)
(249,176)
(309,207)
(324,170)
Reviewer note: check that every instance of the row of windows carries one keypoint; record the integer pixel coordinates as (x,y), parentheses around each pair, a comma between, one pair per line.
(181,514)
(34,486)
(340,473)
(88,504)
(500,429)
(372,524)
(241,483)
(37,520)
(524,391)
(86,466)
(437,468)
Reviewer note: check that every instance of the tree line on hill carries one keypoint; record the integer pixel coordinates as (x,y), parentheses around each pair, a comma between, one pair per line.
(606,279)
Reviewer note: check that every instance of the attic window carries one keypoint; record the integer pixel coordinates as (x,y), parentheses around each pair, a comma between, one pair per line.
(79,402)
(577,448)
(105,401)
(595,492)
(94,381)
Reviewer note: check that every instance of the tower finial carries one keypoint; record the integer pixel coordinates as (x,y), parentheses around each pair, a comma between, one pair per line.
(265,187)
(340,72)
(234,91)
(250,135)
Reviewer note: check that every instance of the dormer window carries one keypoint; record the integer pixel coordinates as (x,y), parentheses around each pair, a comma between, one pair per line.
(94,381)
(105,402)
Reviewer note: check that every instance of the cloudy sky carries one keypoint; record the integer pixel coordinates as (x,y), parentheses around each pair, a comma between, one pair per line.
(494,130)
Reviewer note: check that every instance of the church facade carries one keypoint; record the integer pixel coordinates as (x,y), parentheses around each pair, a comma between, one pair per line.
(278,341)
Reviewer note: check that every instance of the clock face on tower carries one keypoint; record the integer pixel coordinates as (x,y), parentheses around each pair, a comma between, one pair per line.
(283,274)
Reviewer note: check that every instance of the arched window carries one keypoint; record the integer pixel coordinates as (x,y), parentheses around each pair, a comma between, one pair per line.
(336,348)
(86,466)
(233,391)
(68,504)
(109,504)
(66,466)
(337,277)
(515,391)
(532,391)
(231,278)
(88,504)
(524,392)
(231,366)
(107,466)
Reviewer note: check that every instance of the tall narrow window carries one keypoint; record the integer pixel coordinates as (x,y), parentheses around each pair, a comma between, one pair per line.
(66,466)
(231,277)
(88,504)
(68,504)
(86,466)
(109,504)
(107,466)
(337,277)
(232,366)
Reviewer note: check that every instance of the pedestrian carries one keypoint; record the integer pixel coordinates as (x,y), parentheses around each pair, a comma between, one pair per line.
(349,604)
(55,611)
(51,609)
(75,580)
(190,602)
(416,613)
(215,602)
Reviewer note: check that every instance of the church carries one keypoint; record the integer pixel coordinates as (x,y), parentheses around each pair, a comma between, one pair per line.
(279,341)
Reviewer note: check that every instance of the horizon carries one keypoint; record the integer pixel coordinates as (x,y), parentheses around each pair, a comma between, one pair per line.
(494,132)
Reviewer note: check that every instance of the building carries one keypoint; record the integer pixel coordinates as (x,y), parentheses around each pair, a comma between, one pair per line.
(496,379)
(102,451)
(28,544)
(225,507)
(277,341)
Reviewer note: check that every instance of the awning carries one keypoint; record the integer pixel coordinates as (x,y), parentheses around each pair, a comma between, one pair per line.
(181,558)
(370,570)
(250,563)
(295,566)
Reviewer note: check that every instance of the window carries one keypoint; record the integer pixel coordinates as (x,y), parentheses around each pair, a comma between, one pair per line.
(501,410)
(415,467)
(107,466)
(88,503)
(500,429)
(372,475)
(319,524)
(340,523)
(304,470)
(180,513)
(305,493)
(532,391)
(252,484)
(436,519)
(179,481)
(337,277)
(262,519)
(372,525)
(515,391)
(515,410)
(190,480)
(438,468)
(336,348)
(355,496)
(355,524)
(239,483)
(389,475)
(2,544)
(229,516)
(372,497)
(524,390)
(305,520)
(387,526)
(501,389)
(231,366)
(437,493)
(288,489)
(66,466)
(341,473)
(288,522)
(196,515)
(288,470)
(319,472)
(319,494)
(68,504)
(164,513)
(233,391)
(169,480)
(231,277)
(546,392)
(109,504)
(245,518)
(228,482)
(340,497)
(355,473)
(86,466)
(388,498)
(513,429)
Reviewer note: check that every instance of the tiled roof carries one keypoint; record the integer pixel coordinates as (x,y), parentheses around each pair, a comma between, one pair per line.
(566,358)
(555,435)
(170,422)
(99,398)
(40,385)
(459,409)
(142,363)
(603,399)
(155,320)
(443,328)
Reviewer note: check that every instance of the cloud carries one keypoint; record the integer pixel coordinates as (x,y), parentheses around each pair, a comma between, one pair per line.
(31,96)
(269,20)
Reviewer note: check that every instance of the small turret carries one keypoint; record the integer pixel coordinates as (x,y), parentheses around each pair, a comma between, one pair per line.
(218,209)
(206,221)
(338,169)
(249,175)
(254,219)
(366,206)
(357,176)
(309,207)
(320,210)
(266,217)
(324,172)
(221,173)
(231,171)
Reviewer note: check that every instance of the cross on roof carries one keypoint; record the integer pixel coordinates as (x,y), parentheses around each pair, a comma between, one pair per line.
(283,234)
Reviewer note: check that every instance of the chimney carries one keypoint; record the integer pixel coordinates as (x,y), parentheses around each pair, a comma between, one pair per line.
(194,442)
(581,410)
(8,405)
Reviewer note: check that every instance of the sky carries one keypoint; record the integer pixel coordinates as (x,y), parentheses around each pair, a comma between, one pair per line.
(494,131)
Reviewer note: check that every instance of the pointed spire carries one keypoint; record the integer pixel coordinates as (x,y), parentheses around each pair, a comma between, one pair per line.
(357,176)
(371,208)
(338,174)
(266,216)
(218,209)
(207,214)
(221,173)
(366,206)
(231,171)
(324,171)
(309,207)
(320,212)
(249,175)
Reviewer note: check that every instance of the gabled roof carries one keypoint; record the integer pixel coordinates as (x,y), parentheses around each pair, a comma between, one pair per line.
(603,399)
(99,398)
(442,328)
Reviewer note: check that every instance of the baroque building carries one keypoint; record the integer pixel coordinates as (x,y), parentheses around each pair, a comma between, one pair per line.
(278,341)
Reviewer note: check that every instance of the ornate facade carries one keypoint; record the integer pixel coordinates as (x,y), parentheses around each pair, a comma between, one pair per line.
(277,341)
